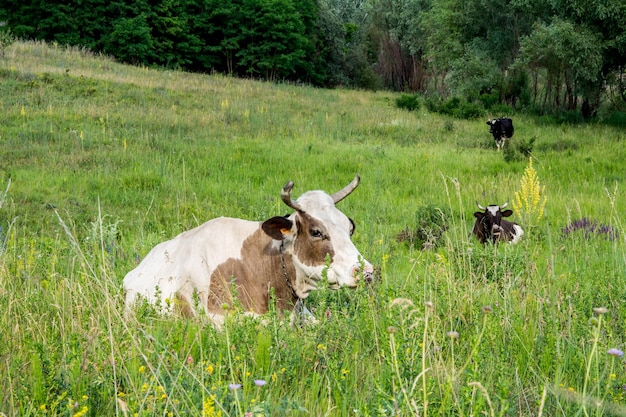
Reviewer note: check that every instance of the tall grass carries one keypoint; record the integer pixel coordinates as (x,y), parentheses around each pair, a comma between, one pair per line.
(104,161)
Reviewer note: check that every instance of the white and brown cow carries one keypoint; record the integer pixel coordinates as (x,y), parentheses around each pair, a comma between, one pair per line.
(491,227)
(226,258)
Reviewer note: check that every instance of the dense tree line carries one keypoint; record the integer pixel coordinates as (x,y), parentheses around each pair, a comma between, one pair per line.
(555,55)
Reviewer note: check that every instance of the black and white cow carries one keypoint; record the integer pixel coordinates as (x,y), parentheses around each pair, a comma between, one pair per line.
(490,225)
(501,129)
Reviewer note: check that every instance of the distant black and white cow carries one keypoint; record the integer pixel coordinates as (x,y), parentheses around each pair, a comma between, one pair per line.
(490,225)
(501,129)
(227,258)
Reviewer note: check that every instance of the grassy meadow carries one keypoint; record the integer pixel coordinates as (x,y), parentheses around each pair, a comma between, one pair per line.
(100,161)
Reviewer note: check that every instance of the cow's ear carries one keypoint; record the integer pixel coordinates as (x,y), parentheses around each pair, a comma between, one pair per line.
(507,213)
(479,215)
(277,227)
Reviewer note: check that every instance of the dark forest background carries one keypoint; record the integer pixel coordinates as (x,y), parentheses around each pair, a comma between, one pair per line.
(557,57)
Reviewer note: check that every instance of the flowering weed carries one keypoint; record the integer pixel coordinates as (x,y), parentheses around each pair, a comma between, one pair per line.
(530,202)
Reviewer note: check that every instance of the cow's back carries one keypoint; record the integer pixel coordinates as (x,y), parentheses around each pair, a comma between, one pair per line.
(185,263)
(507,127)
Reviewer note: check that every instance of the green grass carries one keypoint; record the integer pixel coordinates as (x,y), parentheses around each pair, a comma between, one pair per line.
(106,160)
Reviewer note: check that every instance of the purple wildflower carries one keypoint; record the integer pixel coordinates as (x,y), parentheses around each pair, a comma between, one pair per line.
(260,382)
(615,352)
(234,387)
(589,228)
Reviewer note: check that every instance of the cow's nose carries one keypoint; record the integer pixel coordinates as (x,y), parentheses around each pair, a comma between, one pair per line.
(368,273)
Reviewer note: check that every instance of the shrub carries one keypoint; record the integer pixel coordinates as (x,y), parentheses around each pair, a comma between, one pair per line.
(409,102)
(489,100)
(501,109)
(433,104)
(522,150)
(616,118)
(468,111)
(6,40)
(431,221)
(456,107)
(526,147)
(450,106)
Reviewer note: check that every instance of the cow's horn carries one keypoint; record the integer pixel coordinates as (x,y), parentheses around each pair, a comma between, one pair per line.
(504,205)
(480,207)
(285,194)
(343,193)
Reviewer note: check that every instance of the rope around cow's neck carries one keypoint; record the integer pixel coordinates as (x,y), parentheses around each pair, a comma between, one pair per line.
(300,302)
(302,313)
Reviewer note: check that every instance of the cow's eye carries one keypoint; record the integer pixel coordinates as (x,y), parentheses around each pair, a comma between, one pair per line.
(316,234)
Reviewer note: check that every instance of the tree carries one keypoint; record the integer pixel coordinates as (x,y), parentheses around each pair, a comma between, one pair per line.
(169,29)
(567,57)
(274,44)
(130,41)
(400,43)
(343,44)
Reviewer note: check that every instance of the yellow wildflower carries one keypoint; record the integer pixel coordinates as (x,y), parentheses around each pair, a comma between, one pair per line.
(529,202)
(208,407)
(82,412)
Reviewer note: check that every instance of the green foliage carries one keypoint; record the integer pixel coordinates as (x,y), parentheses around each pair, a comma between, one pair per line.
(549,57)
(130,41)
(275,44)
(431,222)
(275,40)
(489,100)
(456,107)
(409,102)
(518,149)
(6,40)
(615,118)
(563,50)
(105,161)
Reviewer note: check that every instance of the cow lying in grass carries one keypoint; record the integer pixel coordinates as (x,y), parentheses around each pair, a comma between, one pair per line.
(227,258)
(491,227)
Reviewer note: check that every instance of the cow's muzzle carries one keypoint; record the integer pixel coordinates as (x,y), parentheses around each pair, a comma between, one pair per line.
(367,273)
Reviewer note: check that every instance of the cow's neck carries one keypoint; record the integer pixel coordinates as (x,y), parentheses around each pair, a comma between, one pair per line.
(301,312)
(283,267)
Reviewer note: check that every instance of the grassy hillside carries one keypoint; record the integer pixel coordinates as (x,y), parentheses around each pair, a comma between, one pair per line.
(102,161)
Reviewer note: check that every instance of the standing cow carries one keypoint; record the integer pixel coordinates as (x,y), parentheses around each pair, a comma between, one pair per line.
(501,129)
(490,225)
(284,257)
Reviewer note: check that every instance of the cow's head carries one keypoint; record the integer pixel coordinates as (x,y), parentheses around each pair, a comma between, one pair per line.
(317,234)
(489,222)
(494,125)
